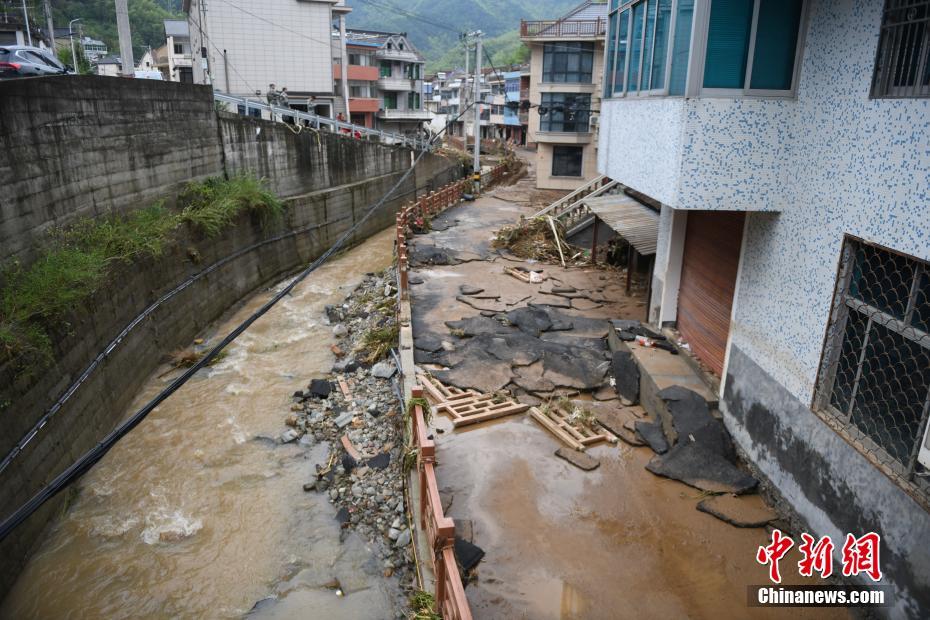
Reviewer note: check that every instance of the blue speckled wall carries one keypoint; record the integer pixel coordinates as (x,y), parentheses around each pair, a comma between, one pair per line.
(857,166)
(830,162)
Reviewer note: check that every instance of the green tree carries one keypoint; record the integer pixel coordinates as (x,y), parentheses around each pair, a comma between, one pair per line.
(64,55)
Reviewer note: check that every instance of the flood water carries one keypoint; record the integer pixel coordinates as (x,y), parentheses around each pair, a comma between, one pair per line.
(194,514)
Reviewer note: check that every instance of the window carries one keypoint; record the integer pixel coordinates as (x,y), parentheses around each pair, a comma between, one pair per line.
(569,62)
(357,59)
(752,45)
(178,48)
(875,377)
(413,101)
(567,112)
(902,66)
(385,69)
(566,161)
(647,41)
(390,101)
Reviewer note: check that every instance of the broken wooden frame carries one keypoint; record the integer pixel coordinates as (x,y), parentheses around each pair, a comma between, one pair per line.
(558,422)
(467,406)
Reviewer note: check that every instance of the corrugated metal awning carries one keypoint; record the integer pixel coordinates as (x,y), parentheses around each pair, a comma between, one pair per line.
(632,220)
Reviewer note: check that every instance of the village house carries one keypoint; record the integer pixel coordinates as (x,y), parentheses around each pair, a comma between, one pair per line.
(175,58)
(385,74)
(280,42)
(565,90)
(785,146)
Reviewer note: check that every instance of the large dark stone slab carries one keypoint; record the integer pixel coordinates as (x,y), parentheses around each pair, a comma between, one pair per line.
(701,469)
(427,342)
(580,460)
(652,434)
(742,511)
(692,421)
(531,321)
(626,375)
(474,325)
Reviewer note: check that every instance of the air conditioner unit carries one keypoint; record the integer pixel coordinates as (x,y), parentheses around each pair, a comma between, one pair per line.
(594,120)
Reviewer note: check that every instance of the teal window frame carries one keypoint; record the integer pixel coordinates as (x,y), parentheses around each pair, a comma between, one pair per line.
(680,40)
(640,56)
(752,47)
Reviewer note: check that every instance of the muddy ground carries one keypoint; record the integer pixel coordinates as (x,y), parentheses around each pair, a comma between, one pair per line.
(560,542)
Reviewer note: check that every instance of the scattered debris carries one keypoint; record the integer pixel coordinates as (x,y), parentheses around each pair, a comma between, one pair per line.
(701,469)
(651,433)
(467,554)
(468,406)
(739,511)
(467,289)
(625,372)
(535,238)
(568,421)
(578,459)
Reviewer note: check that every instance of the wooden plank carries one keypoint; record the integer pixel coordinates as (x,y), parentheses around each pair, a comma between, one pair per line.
(553,428)
(490,415)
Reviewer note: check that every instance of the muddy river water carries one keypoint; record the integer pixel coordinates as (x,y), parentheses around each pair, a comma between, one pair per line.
(197,513)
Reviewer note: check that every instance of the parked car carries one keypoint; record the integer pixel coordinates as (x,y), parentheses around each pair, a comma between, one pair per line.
(24,61)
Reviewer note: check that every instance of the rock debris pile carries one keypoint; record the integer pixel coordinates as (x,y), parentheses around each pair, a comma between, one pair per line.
(355,411)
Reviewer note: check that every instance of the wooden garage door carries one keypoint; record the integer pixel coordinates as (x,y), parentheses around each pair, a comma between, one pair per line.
(708,279)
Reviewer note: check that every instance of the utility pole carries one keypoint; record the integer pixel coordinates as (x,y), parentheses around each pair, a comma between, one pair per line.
(463,98)
(26,17)
(345,65)
(51,26)
(477,160)
(127,64)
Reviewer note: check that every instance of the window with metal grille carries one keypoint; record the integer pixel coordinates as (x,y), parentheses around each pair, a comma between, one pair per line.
(566,112)
(902,68)
(875,377)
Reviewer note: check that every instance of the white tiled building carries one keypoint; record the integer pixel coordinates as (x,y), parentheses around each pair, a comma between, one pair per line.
(250,45)
(787,146)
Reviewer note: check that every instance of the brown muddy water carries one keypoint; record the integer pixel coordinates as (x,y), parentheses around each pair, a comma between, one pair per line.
(193,514)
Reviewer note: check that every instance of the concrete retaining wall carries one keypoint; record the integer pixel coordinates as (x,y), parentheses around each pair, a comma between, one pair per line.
(73,146)
(330,187)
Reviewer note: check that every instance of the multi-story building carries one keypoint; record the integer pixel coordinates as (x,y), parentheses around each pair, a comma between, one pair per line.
(515,118)
(175,59)
(566,57)
(93,49)
(385,73)
(251,45)
(786,144)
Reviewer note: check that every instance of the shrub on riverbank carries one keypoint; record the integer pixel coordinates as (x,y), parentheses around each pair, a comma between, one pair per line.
(79,258)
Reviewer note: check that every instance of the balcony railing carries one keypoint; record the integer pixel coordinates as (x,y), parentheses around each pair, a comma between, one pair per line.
(405,115)
(397,83)
(563,29)
(396,54)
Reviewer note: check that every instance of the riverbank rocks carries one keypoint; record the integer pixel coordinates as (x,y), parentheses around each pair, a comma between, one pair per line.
(362,476)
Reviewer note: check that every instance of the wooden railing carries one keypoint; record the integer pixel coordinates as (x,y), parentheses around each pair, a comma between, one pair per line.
(431,519)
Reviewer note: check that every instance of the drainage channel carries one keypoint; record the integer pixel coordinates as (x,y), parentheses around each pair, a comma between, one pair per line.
(198,512)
